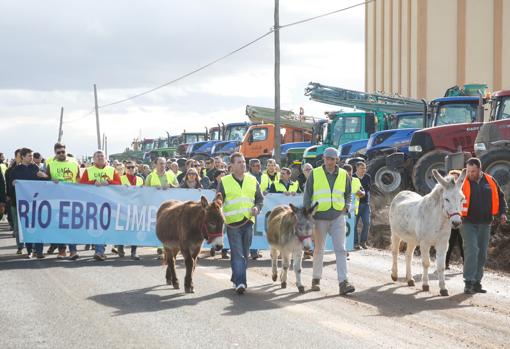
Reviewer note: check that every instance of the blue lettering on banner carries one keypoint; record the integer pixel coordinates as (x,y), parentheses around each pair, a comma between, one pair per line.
(81,214)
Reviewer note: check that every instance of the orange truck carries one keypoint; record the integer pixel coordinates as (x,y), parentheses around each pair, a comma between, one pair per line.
(258,142)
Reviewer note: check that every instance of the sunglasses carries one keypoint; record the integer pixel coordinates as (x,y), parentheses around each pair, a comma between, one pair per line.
(60,152)
(130,167)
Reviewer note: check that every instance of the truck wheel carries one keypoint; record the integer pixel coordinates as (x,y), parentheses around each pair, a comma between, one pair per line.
(386,180)
(423,179)
(497,163)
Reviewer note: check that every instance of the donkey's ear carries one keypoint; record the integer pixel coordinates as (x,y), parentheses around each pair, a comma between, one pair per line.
(313,209)
(460,180)
(440,179)
(219,199)
(204,202)
(293,208)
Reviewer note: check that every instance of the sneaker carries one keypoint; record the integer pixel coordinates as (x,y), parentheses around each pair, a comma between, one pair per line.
(346,287)
(51,250)
(114,250)
(240,288)
(316,285)
(135,257)
(29,255)
(100,258)
(121,252)
(40,256)
(469,288)
(256,256)
(364,245)
(74,256)
(19,251)
(224,255)
(87,247)
(478,288)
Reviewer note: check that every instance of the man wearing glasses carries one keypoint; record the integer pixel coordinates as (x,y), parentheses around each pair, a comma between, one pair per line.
(63,169)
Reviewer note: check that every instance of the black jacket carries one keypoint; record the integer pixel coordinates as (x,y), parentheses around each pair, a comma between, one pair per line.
(480,202)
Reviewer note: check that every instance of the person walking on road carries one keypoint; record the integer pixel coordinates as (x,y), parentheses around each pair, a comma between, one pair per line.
(242,203)
(330,186)
(484,200)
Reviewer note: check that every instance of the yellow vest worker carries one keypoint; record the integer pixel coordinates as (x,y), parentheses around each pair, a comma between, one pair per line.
(322,193)
(280,187)
(355,187)
(238,200)
(63,171)
(124,180)
(266,181)
(153,180)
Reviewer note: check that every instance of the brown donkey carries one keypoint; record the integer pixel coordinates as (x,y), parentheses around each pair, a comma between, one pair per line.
(183,226)
(290,231)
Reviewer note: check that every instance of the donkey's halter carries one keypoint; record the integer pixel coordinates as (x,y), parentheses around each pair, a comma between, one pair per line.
(210,236)
(450,215)
(301,238)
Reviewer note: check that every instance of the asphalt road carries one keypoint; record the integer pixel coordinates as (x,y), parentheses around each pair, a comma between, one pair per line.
(122,303)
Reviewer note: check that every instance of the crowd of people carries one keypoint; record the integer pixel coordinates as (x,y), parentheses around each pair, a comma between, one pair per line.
(332,185)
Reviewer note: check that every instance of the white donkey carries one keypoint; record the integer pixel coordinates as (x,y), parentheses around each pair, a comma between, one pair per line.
(426,221)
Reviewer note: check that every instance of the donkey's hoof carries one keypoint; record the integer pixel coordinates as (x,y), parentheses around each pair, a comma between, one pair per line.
(425,288)
(394,278)
(284,284)
(189,289)
(275,276)
(444,292)
(175,284)
(301,289)
(410,282)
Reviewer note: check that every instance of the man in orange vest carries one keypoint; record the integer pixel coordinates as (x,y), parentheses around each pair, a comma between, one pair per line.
(484,200)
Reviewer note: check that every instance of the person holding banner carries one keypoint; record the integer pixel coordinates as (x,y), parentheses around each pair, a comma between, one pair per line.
(63,169)
(160,177)
(26,170)
(100,174)
(330,186)
(130,179)
(242,203)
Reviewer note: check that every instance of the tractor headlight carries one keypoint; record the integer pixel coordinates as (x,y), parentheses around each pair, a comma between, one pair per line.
(480,147)
(415,148)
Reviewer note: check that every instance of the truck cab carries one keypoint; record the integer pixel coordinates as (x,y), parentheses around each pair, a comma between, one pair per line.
(342,128)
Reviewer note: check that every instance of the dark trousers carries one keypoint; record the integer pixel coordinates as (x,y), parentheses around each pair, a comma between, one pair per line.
(455,239)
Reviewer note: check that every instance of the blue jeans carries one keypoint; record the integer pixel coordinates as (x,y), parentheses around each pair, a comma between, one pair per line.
(72,248)
(475,240)
(363,214)
(14,215)
(100,249)
(240,241)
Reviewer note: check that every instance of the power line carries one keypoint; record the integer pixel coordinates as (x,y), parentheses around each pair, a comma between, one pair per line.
(79,117)
(325,14)
(227,55)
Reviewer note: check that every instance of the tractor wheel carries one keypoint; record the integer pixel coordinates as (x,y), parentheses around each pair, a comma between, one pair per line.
(423,179)
(496,162)
(387,180)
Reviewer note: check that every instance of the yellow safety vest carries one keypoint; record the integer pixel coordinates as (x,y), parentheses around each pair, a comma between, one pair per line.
(64,171)
(265,181)
(124,180)
(322,192)
(280,188)
(238,200)
(355,187)
(155,182)
(100,174)
(3,168)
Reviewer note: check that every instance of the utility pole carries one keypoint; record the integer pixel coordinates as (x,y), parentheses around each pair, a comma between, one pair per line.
(60,132)
(277,135)
(106,147)
(97,119)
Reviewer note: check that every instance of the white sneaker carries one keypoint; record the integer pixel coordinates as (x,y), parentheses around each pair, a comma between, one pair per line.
(240,288)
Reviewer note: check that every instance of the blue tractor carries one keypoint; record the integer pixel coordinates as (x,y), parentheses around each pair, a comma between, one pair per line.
(232,138)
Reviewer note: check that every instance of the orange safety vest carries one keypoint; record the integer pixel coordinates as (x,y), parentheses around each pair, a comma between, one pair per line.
(466,189)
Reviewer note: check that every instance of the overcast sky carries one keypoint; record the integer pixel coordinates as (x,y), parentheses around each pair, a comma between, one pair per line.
(53,51)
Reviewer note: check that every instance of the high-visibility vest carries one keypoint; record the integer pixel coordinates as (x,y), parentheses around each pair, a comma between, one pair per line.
(124,180)
(280,187)
(3,168)
(355,187)
(322,192)
(155,182)
(466,189)
(238,200)
(265,181)
(99,174)
(64,171)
